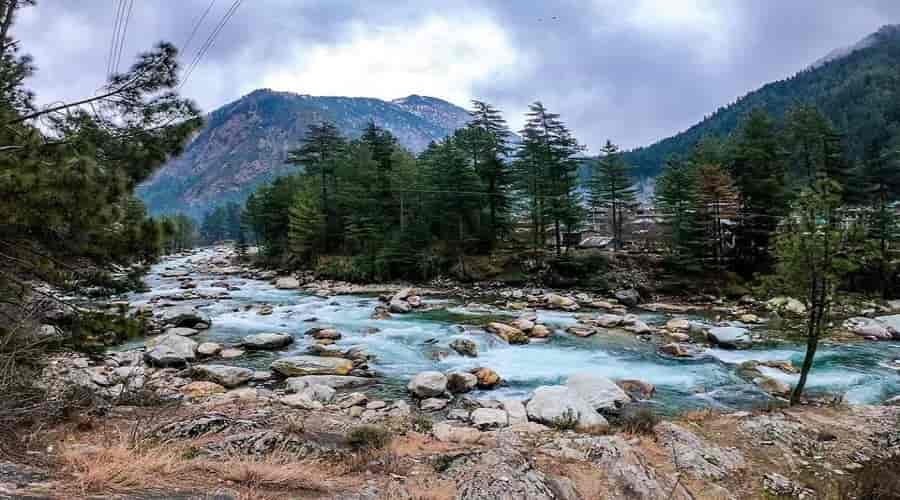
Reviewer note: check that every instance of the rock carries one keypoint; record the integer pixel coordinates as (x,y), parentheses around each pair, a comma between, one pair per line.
(323,333)
(433,404)
(295,366)
(630,297)
(487,418)
(164,357)
(600,392)
(265,310)
(508,333)
(696,457)
(539,332)
(637,389)
(227,376)
(352,399)
(679,350)
(415,301)
(183,347)
(561,407)
(320,393)
(400,409)
(522,324)
(554,301)
(678,336)
(580,331)
(301,401)
(201,389)
(458,414)
(608,320)
(231,353)
(515,411)
(331,351)
(772,386)
(729,337)
(868,327)
(465,347)
(381,312)
(184,332)
(296,384)
(786,305)
(287,283)
(376,405)
(500,474)
(461,382)
(403,294)
(487,378)
(894,401)
(208,349)
(400,306)
(428,384)
(262,376)
(638,327)
(749,318)
(462,435)
(676,324)
(267,341)
(184,316)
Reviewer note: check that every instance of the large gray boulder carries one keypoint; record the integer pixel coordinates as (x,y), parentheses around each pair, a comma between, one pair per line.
(164,357)
(181,346)
(629,297)
(489,418)
(227,376)
(729,337)
(297,384)
(267,341)
(560,406)
(428,384)
(892,324)
(871,328)
(287,283)
(600,392)
(461,382)
(296,366)
(184,316)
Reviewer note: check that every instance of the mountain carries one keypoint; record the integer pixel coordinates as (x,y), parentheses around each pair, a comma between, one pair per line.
(246,142)
(857,88)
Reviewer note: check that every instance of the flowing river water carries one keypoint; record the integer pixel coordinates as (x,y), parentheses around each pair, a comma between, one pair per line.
(863,372)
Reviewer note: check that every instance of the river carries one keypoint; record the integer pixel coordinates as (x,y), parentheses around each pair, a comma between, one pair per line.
(859,371)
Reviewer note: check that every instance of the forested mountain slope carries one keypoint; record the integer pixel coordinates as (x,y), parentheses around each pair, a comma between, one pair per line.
(245,143)
(857,88)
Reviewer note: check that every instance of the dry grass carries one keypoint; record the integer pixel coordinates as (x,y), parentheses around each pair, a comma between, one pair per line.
(119,468)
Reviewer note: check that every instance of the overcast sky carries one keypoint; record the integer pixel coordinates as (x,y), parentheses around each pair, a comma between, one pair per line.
(634,71)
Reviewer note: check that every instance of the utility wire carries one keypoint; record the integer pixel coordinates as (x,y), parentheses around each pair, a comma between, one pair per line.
(197,25)
(209,41)
(115,35)
(122,36)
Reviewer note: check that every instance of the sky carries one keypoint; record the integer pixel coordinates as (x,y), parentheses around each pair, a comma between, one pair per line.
(633,71)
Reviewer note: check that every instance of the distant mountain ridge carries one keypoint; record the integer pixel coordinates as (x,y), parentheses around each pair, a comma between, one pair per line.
(856,87)
(246,142)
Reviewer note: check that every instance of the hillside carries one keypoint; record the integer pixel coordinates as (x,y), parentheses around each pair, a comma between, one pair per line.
(857,88)
(245,143)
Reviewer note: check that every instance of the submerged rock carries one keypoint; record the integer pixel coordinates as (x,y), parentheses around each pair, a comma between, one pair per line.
(465,347)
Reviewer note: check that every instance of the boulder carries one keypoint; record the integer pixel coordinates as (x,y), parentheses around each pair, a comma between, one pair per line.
(231,353)
(608,320)
(515,411)
(462,435)
(287,283)
(297,384)
(487,378)
(201,389)
(403,294)
(892,323)
(629,297)
(461,382)
(580,331)
(267,341)
(209,349)
(181,346)
(182,331)
(522,324)
(381,312)
(301,401)
(428,384)
(508,333)
(678,324)
(679,350)
(323,333)
(164,357)
(729,337)
(539,332)
(600,392)
(638,327)
(320,393)
(488,418)
(399,306)
(295,366)
(226,376)
(331,351)
(465,347)
(868,328)
(415,301)
(184,316)
(433,404)
(637,389)
(554,301)
(772,386)
(786,305)
(561,407)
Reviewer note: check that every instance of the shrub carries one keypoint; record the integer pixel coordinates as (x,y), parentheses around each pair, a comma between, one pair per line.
(369,437)
(421,423)
(568,421)
(639,420)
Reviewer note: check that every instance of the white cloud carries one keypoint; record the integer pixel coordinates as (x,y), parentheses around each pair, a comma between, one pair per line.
(436,57)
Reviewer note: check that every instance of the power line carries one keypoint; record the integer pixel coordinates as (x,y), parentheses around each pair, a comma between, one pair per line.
(115,34)
(197,25)
(209,40)
(122,36)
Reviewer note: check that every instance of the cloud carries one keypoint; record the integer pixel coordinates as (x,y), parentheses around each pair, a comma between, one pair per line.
(634,72)
(438,57)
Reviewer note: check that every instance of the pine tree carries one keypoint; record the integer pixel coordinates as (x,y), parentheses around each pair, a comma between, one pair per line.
(717,202)
(612,189)
(678,199)
(546,168)
(305,221)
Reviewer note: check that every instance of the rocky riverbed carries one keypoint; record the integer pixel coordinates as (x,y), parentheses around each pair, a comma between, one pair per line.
(503,393)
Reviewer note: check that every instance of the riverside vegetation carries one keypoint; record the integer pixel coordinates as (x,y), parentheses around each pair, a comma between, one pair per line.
(315,378)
